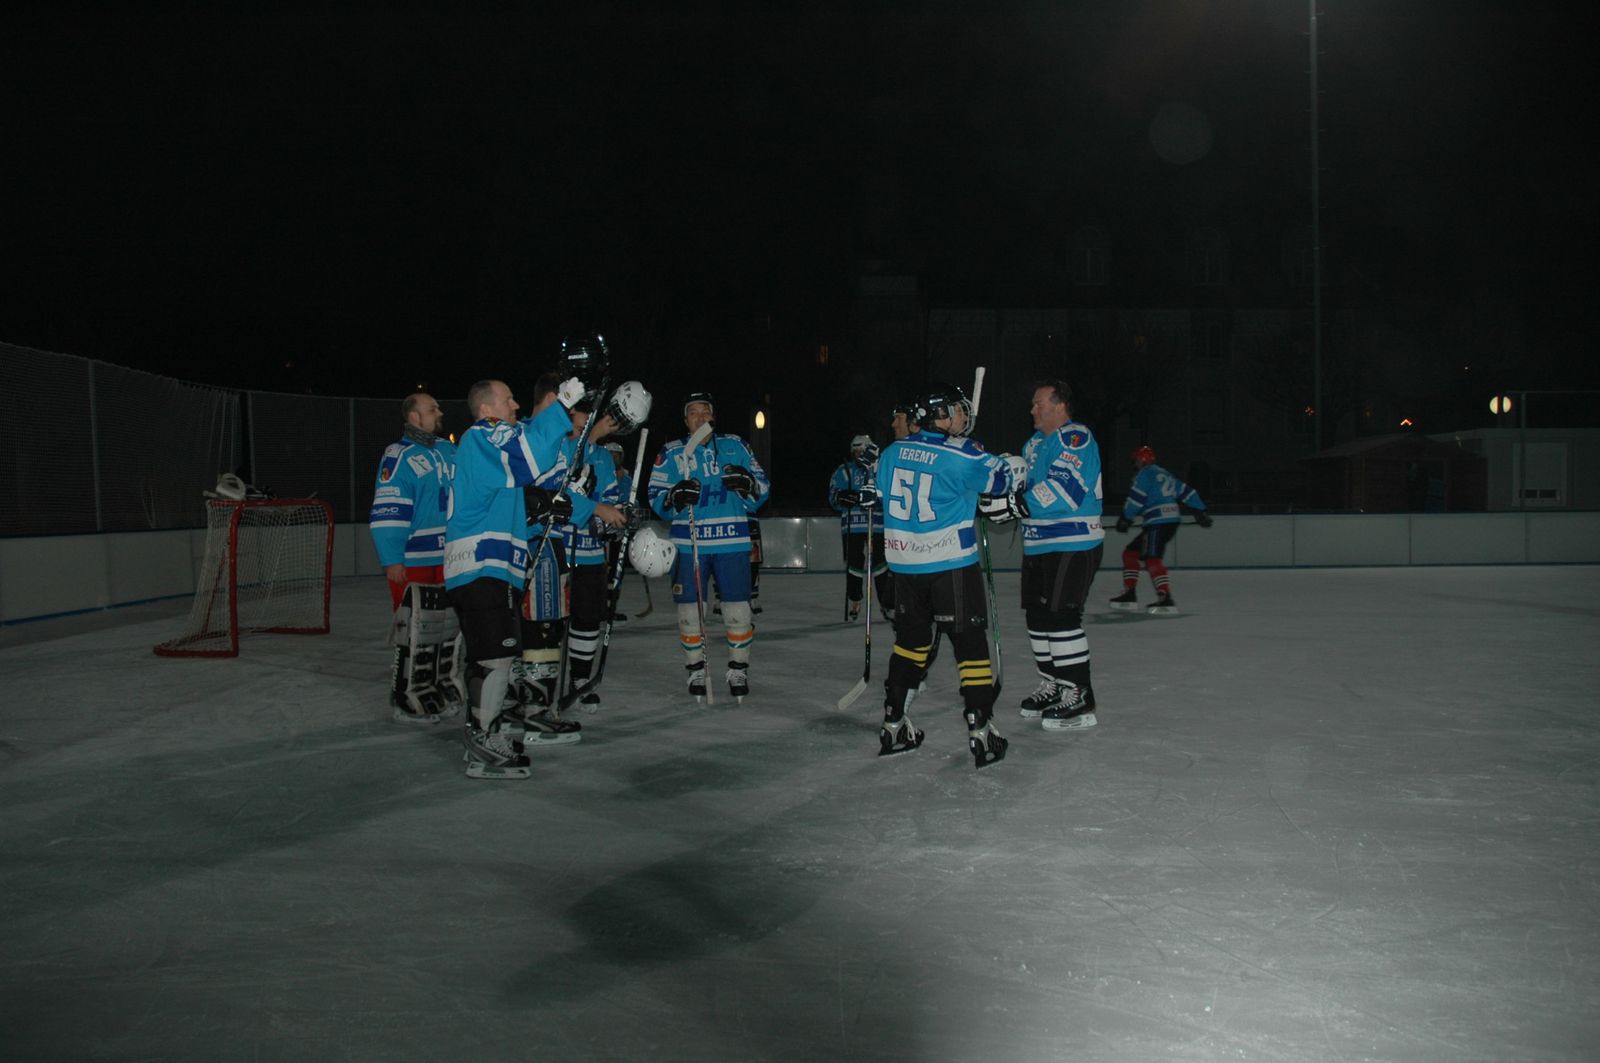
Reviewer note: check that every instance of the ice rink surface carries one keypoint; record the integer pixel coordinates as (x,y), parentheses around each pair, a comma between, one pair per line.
(1329,815)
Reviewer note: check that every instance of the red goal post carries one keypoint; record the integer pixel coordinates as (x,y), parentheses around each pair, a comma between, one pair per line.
(268,567)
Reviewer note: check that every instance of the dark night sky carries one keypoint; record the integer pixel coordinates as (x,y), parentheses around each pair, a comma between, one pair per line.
(348,198)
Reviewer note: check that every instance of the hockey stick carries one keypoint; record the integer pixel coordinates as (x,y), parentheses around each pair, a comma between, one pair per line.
(699,436)
(866,598)
(983,552)
(613,592)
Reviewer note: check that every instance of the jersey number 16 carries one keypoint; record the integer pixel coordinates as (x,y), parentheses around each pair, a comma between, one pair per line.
(909,482)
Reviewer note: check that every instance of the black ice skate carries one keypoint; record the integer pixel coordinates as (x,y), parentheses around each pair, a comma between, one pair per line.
(853,609)
(547,728)
(1050,693)
(1127,601)
(1076,713)
(697,681)
(1163,606)
(491,754)
(590,702)
(898,736)
(738,681)
(986,744)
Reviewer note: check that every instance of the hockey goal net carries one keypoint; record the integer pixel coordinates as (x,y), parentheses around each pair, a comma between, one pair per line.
(267,567)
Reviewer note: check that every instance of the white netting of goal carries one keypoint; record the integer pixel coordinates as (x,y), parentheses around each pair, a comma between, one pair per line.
(267,567)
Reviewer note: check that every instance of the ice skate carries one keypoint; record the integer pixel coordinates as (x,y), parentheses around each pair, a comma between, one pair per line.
(547,728)
(898,736)
(590,703)
(1127,601)
(853,609)
(491,754)
(697,682)
(1074,713)
(1163,606)
(986,744)
(1049,693)
(738,682)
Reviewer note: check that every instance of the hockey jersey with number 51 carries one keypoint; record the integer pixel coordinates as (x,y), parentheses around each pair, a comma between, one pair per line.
(930,485)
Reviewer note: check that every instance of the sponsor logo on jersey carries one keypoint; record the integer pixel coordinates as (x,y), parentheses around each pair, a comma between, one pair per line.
(420,463)
(387,492)
(385,511)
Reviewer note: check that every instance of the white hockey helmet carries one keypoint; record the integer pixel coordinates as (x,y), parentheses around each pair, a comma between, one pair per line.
(629,406)
(651,554)
(860,443)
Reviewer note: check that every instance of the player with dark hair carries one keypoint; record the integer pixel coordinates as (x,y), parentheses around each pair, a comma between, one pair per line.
(930,483)
(847,489)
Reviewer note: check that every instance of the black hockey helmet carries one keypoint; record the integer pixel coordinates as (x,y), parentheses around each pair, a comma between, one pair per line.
(699,396)
(585,356)
(938,401)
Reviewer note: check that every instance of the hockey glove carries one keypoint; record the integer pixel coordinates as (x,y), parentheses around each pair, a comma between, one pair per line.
(583,483)
(544,506)
(1122,524)
(737,479)
(997,508)
(1203,519)
(865,496)
(683,494)
(571,392)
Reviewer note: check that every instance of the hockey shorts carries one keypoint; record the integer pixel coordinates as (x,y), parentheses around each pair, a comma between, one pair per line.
(489,611)
(953,600)
(731,571)
(1058,582)
(1152,540)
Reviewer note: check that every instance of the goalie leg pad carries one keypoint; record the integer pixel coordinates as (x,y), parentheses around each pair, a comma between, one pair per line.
(428,625)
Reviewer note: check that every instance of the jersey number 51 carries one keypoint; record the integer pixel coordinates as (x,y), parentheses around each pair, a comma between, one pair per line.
(909,483)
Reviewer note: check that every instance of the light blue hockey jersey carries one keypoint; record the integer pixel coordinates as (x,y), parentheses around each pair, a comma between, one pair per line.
(853,476)
(1156,495)
(584,546)
(409,501)
(1064,494)
(930,485)
(721,524)
(486,533)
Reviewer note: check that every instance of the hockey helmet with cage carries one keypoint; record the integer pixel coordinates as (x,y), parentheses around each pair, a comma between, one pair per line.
(585,356)
(650,554)
(629,407)
(699,396)
(938,402)
(859,445)
(1144,456)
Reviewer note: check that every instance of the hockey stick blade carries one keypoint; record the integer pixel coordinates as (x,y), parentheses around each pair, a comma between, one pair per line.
(855,692)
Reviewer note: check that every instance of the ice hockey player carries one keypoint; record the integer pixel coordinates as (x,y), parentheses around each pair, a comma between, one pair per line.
(1155,496)
(1060,503)
(486,554)
(406,520)
(849,486)
(930,483)
(591,543)
(708,492)
(554,503)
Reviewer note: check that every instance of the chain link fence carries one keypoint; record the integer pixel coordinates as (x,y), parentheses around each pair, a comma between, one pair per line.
(101,448)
